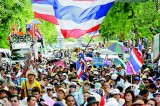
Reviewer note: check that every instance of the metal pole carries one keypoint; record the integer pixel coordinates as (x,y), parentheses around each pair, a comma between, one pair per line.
(90,41)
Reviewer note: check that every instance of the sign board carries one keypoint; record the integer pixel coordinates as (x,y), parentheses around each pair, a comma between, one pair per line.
(98,62)
(156,45)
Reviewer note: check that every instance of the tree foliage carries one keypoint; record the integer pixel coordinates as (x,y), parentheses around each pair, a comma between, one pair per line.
(20,11)
(131,20)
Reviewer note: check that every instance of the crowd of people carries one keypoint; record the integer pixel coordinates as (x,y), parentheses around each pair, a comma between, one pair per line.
(48,84)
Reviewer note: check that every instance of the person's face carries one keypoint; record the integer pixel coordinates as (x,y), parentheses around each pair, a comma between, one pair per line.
(157,98)
(103,73)
(106,86)
(86,95)
(117,96)
(60,95)
(63,86)
(72,88)
(57,76)
(158,82)
(146,82)
(46,81)
(2,94)
(150,103)
(32,102)
(86,87)
(49,91)
(37,95)
(63,77)
(128,97)
(15,91)
(31,77)
(70,101)
(94,104)
(14,101)
(107,77)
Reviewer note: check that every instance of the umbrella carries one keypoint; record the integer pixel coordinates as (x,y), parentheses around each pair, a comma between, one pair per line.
(33,21)
(116,47)
(88,58)
(118,61)
(60,63)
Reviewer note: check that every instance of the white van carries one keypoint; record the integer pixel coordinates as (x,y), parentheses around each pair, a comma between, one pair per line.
(6,55)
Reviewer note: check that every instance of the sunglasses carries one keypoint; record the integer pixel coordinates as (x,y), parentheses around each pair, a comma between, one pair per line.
(49,89)
(72,86)
(13,101)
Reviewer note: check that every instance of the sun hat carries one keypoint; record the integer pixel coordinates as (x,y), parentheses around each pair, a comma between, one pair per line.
(115,91)
(157,93)
(62,89)
(31,72)
(98,85)
(91,100)
(112,102)
(118,66)
(86,82)
(95,73)
(138,102)
(102,79)
(114,76)
(49,102)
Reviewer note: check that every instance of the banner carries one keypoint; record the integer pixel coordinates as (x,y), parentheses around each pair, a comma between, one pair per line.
(98,62)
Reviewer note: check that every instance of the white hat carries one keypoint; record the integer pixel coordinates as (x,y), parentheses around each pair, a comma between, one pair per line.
(112,102)
(114,76)
(115,91)
(95,72)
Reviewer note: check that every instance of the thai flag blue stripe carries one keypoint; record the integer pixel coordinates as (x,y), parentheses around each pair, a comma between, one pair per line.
(78,65)
(134,64)
(43,1)
(78,14)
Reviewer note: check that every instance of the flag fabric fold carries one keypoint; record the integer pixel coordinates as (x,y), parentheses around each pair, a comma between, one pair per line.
(77,18)
(44,9)
(135,61)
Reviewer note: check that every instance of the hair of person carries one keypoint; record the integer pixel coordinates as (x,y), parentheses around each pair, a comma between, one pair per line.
(143,99)
(120,88)
(143,92)
(73,98)
(12,96)
(36,89)
(132,94)
(152,86)
(87,93)
(153,100)
(29,97)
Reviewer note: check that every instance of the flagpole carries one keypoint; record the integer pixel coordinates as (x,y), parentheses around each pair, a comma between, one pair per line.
(89,41)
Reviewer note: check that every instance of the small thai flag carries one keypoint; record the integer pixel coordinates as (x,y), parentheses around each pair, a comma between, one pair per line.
(135,61)
(80,66)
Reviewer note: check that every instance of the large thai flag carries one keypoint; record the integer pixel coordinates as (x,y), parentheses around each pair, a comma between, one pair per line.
(77,18)
(44,9)
(136,61)
(80,66)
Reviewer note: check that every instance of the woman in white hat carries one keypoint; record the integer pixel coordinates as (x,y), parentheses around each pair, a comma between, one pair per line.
(29,83)
(117,95)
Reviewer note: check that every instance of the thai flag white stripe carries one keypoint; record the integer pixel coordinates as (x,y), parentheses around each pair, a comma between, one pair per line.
(43,8)
(135,58)
(70,25)
(84,4)
(132,68)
